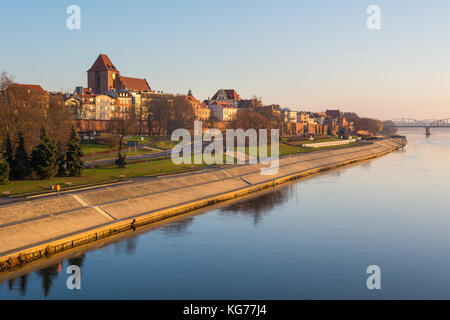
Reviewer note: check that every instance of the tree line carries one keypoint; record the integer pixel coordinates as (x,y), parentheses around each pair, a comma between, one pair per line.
(36,136)
(46,160)
(374,126)
(165,114)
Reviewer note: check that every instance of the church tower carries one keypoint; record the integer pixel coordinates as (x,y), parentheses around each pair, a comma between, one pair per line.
(103,75)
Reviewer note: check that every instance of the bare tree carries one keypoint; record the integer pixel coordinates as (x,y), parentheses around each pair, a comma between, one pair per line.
(181,115)
(250,120)
(159,112)
(26,110)
(120,128)
(23,110)
(58,122)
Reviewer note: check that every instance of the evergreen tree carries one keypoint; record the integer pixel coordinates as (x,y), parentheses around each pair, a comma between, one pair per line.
(44,157)
(21,168)
(61,161)
(8,155)
(74,154)
(4,171)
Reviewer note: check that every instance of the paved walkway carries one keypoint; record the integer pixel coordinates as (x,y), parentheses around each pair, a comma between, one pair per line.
(34,222)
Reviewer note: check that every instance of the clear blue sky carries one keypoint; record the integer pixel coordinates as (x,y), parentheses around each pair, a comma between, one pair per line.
(307,55)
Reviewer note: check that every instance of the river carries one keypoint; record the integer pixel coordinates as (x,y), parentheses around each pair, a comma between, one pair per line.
(310,239)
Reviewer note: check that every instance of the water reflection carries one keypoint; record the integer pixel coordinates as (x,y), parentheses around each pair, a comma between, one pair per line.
(257,206)
(78,260)
(19,284)
(47,275)
(365,165)
(128,246)
(314,239)
(179,227)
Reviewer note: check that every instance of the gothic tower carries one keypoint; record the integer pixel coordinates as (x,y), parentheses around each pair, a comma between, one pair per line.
(103,75)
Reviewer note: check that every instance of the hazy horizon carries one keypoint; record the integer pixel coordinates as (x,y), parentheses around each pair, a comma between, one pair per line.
(302,55)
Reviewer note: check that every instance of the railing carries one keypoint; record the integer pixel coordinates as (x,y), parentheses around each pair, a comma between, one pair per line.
(413,123)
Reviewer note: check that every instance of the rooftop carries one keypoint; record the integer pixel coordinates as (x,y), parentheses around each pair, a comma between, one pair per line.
(103,63)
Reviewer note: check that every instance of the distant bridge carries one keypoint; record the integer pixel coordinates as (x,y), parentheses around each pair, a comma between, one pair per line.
(428,123)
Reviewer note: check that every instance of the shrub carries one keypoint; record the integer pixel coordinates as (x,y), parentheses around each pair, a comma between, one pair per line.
(4,171)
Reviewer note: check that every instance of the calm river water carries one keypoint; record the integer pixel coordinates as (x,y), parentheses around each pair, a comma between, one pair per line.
(311,239)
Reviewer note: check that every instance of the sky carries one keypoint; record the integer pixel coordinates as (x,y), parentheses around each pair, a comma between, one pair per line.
(306,55)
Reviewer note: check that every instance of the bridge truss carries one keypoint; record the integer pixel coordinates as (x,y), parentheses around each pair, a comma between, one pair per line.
(428,123)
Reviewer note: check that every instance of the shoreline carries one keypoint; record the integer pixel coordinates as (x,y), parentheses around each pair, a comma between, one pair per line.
(115,215)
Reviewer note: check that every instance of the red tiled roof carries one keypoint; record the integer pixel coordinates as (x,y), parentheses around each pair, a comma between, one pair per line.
(223,104)
(134,84)
(231,94)
(103,63)
(34,88)
(86,91)
(191,99)
(89,95)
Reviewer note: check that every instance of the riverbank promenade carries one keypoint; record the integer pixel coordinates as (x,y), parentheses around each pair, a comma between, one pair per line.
(36,228)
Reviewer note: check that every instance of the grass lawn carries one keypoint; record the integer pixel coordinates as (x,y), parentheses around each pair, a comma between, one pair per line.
(155,142)
(162,144)
(95,176)
(287,149)
(109,174)
(103,151)
(93,148)
(141,140)
(113,154)
(284,149)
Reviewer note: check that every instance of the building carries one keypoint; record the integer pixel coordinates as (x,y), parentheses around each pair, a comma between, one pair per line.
(223,111)
(249,103)
(334,114)
(333,127)
(305,117)
(134,84)
(57,98)
(229,96)
(320,118)
(29,88)
(288,116)
(312,129)
(299,128)
(124,103)
(74,102)
(88,104)
(104,76)
(201,110)
(24,94)
(203,113)
(136,101)
(343,125)
(82,101)
(275,109)
(105,107)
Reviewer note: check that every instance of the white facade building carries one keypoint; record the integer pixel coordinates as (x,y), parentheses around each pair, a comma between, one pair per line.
(223,111)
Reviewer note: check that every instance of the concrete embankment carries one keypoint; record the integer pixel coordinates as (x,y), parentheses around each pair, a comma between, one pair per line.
(328,143)
(34,229)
